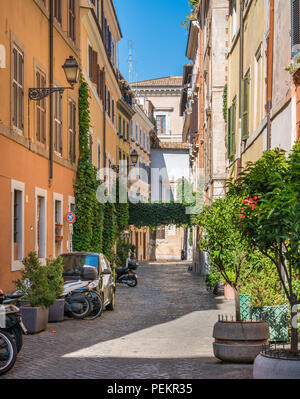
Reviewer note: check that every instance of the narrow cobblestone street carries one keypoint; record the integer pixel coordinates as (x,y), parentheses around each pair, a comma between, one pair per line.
(160,329)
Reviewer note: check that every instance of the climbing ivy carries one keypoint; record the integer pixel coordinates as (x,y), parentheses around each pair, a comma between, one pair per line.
(109,230)
(157,214)
(86,182)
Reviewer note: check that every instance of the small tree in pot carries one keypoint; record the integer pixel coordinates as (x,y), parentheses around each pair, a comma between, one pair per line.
(273,225)
(34,285)
(54,271)
(228,250)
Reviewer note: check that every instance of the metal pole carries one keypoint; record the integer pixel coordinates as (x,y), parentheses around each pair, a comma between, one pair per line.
(50,85)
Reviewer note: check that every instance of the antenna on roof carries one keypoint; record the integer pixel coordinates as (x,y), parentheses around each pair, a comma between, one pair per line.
(130,61)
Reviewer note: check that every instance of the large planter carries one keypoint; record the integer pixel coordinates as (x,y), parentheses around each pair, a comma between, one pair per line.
(34,319)
(57,311)
(277,319)
(274,369)
(239,342)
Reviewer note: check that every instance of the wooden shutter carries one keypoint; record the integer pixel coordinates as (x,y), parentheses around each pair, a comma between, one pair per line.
(295,26)
(229,123)
(90,62)
(233,128)
(245,107)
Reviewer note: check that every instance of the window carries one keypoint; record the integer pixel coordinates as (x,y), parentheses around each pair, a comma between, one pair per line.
(98,155)
(18,89)
(41,222)
(107,100)
(161,233)
(120,125)
(127,131)
(113,111)
(137,132)
(58,220)
(58,123)
(141,139)
(92,65)
(161,124)
(57,11)
(17,216)
(72,131)
(40,110)
(131,129)
(91,144)
(72,20)
(234,18)
(258,88)
(124,131)
(295,23)
(144,142)
(231,130)
(245,106)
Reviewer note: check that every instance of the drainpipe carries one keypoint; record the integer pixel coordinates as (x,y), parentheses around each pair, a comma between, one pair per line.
(239,161)
(270,50)
(50,85)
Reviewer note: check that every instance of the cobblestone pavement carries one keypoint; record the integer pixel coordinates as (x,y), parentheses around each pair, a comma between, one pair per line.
(160,329)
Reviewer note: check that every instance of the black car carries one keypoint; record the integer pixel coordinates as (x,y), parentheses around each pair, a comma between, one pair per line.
(73,264)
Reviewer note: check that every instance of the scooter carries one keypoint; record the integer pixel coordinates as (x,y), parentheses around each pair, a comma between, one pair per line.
(126,275)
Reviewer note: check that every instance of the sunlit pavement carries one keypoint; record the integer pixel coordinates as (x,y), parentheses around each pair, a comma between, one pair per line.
(160,329)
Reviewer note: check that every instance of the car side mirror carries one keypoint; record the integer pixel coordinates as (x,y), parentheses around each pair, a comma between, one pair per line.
(89,273)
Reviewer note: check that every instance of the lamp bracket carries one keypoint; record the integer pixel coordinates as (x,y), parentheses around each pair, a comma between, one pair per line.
(40,93)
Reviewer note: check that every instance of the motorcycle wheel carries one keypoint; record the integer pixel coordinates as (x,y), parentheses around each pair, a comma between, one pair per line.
(132,283)
(87,307)
(17,333)
(97,306)
(8,352)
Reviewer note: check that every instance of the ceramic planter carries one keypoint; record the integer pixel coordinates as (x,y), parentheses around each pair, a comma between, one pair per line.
(239,342)
(56,311)
(34,319)
(270,368)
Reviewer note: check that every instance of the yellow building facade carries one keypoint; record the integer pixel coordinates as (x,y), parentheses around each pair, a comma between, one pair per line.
(246,90)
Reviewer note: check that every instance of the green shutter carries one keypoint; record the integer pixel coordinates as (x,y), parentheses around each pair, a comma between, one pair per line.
(245,107)
(233,128)
(229,124)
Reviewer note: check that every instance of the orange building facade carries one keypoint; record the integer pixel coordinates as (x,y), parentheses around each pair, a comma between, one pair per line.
(36,193)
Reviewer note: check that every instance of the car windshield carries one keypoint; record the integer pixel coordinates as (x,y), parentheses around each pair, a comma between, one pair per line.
(73,264)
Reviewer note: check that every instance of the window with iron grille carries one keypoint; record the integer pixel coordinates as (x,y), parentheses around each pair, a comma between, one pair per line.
(72,20)
(57,11)
(58,123)
(72,131)
(18,89)
(295,23)
(40,110)
(17,215)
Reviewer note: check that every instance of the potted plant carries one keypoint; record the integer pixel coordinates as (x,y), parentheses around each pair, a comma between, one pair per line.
(272,226)
(235,340)
(54,270)
(37,293)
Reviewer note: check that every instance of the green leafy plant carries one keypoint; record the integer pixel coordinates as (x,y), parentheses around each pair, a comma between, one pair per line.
(193,5)
(34,283)
(293,67)
(226,247)
(54,271)
(270,218)
(86,181)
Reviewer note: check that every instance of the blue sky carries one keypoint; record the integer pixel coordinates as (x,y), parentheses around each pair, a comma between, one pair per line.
(158,39)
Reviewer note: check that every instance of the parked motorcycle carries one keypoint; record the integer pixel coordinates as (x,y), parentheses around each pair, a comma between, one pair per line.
(11,332)
(78,300)
(126,275)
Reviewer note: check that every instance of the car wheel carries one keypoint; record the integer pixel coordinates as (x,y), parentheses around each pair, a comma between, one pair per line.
(111,305)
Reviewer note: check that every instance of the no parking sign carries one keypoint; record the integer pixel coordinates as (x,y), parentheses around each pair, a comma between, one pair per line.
(70,217)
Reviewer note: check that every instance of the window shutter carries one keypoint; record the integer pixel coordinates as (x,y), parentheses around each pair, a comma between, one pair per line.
(233,128)
(229,121)
(245,108)
(90,62)
(295,24)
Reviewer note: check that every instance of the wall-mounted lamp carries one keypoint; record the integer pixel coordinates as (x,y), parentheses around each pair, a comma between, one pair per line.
(71,69)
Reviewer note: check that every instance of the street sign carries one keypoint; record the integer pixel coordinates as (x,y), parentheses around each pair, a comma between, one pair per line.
(70,217)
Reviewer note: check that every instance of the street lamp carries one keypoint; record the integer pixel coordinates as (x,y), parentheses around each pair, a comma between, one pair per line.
(134,157)
(71,69)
